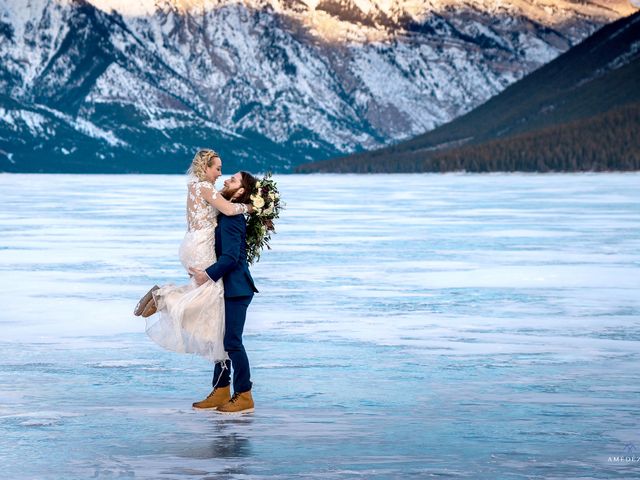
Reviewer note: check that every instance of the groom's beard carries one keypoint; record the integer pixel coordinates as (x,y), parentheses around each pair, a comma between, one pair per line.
(228,193)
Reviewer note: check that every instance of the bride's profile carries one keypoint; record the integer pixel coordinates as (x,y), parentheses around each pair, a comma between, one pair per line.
(190,318)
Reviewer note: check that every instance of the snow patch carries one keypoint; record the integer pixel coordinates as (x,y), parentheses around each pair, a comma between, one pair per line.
(85,126)
(127,8)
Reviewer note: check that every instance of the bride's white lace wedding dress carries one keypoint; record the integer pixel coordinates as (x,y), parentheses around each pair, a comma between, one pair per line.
(190,318)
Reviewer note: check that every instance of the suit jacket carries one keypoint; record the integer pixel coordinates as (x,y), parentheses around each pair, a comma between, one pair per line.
(231,251)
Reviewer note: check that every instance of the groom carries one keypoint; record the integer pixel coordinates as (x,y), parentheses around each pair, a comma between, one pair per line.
(231,266)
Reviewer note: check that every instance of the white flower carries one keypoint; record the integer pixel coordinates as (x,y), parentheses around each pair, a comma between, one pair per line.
(257,201)
(258,184)
(272,195)
(268,210)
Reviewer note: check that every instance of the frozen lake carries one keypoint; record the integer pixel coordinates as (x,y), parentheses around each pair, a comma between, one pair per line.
(408,326)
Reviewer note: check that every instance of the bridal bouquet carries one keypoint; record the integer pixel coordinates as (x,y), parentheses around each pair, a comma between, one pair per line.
(266,208)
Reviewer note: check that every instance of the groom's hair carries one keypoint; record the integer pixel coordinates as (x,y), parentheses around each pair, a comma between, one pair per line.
(249,184)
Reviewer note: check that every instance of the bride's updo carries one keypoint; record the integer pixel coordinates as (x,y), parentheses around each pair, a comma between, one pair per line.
(203,159)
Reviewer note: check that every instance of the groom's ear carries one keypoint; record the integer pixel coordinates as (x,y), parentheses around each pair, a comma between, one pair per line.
(239,192)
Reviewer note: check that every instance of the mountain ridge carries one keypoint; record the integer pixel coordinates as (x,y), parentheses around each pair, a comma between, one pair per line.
(596,80)
(257,80)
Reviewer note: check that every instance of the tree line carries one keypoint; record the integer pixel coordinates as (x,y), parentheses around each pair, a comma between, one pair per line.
(605,142)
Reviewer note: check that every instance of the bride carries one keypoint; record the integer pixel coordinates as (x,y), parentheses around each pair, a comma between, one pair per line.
(190,317)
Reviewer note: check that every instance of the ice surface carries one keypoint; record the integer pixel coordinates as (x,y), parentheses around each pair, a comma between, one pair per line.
(459,326)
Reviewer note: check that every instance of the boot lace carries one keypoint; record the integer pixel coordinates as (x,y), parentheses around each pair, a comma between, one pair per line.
(236,395)
(213,392)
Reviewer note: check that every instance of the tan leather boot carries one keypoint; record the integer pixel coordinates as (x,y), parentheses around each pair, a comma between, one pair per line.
(239,403)
(144,301)
(218,397)
(150,309)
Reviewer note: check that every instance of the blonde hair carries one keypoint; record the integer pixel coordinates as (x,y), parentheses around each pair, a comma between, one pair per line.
(203,159)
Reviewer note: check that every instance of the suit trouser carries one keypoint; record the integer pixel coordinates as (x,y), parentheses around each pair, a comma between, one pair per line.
(234,318)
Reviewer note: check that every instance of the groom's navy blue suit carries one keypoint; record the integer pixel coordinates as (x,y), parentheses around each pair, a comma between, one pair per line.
(232,267)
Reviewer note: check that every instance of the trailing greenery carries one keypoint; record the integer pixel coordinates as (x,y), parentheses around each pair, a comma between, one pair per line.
(266,204)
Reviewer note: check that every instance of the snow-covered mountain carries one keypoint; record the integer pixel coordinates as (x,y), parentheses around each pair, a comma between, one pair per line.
(579,112)
(125,85)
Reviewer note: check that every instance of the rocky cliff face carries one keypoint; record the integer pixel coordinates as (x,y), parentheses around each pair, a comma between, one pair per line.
(113,85)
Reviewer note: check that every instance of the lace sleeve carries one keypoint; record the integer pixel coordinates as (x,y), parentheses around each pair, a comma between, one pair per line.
(208,191)
(226,207)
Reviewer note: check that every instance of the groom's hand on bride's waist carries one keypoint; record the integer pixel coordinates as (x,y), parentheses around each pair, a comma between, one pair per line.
(200,276)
